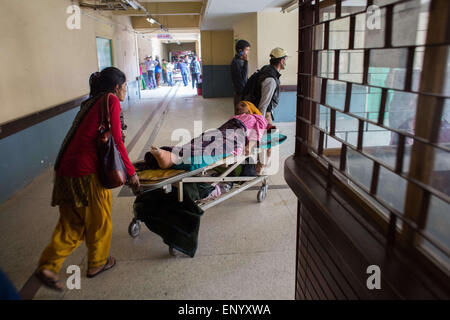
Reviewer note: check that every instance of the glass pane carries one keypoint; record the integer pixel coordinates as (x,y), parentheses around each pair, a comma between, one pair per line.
(333,143)
(383,2)
(377,143)
(417,68)
(440,176)
(351,65)
(328,12)
(438,226)
(324,118)
(365,102)
(319,37)
(401,108)
(347,128)
(392,189)
(410,23)
(359,168)
(444,130)
(326,63)
(370,29)
(317,83)
(332,155)
(339,33)
(336,94)
(352,6)
(387,68)
(446,89)
(315,139)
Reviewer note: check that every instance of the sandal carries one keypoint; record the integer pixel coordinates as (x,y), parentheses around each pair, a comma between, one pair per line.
(54,284)
(105,267)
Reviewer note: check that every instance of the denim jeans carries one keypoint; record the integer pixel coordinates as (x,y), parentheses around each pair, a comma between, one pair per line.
(152,79)
(185,79)
(195,78)
(170,78)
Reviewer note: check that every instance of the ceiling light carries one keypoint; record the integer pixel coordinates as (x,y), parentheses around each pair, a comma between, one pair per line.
(151,20)
(133,4)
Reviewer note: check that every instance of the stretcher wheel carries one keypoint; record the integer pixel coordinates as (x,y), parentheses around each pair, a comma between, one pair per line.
(172,252)
(262,193)
(134,228)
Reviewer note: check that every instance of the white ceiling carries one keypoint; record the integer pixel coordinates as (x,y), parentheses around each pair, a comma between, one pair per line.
(221,14)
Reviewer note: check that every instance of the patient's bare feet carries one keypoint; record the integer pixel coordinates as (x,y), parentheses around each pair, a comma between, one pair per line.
(260,168)
(163,157)
(154,151)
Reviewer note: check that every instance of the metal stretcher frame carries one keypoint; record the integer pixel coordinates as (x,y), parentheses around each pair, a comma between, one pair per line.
(199,175)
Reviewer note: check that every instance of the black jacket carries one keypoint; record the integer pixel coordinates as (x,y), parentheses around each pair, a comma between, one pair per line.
(252,91)
(239,74)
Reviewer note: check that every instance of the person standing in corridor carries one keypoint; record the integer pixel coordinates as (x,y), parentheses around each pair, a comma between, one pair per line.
(164,71)
(195,71)
(150,64)
(84,204)
(239,70)
(158,70)
(263,90)
(169,68)
(184,71)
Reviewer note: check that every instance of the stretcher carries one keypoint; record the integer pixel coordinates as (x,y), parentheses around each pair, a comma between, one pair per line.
(204,175)
(208,174)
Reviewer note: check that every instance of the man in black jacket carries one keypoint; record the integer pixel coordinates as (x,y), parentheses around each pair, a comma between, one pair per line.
(263,90)
(239,70)
(263,87)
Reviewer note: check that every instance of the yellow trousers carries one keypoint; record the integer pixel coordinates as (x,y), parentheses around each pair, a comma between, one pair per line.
(92,223)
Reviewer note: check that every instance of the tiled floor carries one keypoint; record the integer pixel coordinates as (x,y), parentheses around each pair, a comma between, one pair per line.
(246,249)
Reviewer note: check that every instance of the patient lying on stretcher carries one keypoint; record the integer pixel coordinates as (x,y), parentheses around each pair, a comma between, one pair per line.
(236,137)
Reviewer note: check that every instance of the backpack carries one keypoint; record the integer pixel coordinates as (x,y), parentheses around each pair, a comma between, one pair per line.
(250,92)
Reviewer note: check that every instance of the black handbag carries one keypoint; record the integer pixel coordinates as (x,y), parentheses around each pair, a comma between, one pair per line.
(112,172)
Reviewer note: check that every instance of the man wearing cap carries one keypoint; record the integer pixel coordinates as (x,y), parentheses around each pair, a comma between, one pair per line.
(265,94)
(263,90)
(239,69)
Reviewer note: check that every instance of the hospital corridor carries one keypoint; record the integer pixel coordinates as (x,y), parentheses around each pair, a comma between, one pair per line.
(246,249)
(224,158)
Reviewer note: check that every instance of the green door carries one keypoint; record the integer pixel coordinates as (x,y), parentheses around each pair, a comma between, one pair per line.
(104,53)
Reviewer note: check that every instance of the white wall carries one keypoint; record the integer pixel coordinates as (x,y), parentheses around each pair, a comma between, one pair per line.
(247,29)
(44,63)
(276,29)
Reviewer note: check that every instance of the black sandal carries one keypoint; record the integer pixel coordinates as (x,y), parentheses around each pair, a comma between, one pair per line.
(105,267)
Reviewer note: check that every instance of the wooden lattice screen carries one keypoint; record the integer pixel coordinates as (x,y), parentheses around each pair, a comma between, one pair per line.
(373,107)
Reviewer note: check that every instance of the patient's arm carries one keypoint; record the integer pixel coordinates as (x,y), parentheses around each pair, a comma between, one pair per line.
(163,157)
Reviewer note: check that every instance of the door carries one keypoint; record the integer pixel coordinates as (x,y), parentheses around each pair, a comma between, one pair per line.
(104,53)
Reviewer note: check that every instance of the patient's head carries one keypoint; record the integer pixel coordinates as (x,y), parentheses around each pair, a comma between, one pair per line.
(246,107)
(242,108)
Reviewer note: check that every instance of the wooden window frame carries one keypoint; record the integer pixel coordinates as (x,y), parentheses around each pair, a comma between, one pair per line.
(425,138)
